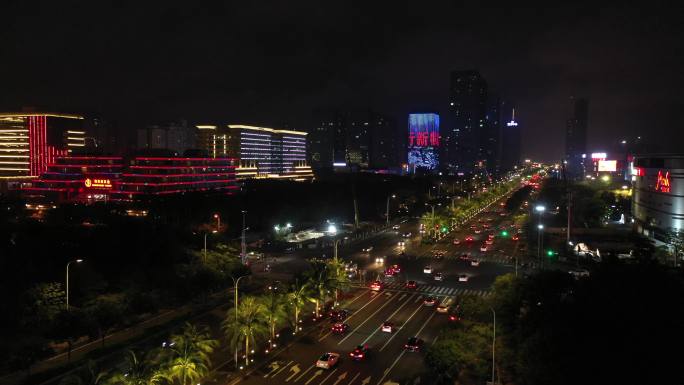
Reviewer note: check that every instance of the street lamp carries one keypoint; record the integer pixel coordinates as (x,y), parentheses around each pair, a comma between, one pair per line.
(332,229)
(387,213)
(235,290)
(540,209)
(218,222)
(67,280)
(337,241)
(243,244)
(205,243)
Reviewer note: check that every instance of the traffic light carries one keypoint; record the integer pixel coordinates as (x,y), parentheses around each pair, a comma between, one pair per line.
(550,253)
(444,229)
(504,233)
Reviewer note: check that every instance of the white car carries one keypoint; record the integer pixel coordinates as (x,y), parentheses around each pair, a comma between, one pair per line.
(427,270)
(395,227)
(463,278)
(367,249)
(401,244)
(483,248)
(387,327)
(474,262)
(327,360)
(379,260)
(579,273)
(438,277)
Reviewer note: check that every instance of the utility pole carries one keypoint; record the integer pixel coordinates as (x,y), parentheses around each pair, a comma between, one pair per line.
(356,206)
(243,245)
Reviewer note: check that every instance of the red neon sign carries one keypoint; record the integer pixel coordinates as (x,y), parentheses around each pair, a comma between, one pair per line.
(97,183)
(663,182)
(638,171)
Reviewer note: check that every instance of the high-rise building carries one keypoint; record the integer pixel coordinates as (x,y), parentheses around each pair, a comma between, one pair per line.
(174,136)
(467,112)
(511,141)
(262,152)
(423,142)
(29,142)
(354,140)
(489,157)
(576,138)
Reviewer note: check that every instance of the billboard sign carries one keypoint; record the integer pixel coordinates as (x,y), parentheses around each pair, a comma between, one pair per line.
(423,140)
(607,165)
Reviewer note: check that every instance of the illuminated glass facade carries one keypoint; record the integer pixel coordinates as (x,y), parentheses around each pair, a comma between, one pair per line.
(262,152)
(423,141)
(29,142)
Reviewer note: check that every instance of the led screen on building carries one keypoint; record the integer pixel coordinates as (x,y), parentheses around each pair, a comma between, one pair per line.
(423,140)
(607,165)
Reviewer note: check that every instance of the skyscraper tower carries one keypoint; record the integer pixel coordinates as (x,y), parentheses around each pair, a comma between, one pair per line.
(510,149)
(576,138)
(467,110)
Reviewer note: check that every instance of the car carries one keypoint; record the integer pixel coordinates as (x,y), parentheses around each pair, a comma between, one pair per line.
(395,227)
(407,234)
(515,238)
(469,239)
(489,242)
(486,225)
(464,257)
(413,344)
(463,278)
(443,309)
(438,277)
(327,360)
(411,285)
(389,272)
(359,353)
(427,270)
(396,269)
(483,248)
(401,244)
(474,262)
(430,301)
(477,231)
(387,327)
(380,260)
(376,286)
(502,214)
(367,249)
(339,328)
(580,273)
(338,315)
(490,236)
(456,241)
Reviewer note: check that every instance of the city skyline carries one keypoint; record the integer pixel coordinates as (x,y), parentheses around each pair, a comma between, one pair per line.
(179,64)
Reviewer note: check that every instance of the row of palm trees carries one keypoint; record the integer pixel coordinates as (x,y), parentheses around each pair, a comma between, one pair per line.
(257,319)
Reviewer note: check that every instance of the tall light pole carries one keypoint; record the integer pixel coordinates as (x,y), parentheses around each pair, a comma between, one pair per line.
(540,209)
(205,244)
(235,289)
(493,343)
(243,245)
(387,212)
(218,222)
(67,280)
(337,241)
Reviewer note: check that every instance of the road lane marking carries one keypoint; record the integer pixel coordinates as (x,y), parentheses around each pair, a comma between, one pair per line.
(281,369)
(305,372)
(416,300)
(388,318)
(350,316)
(318,373)
(366,320)
(366,380)
(401,327)
(295,369)
(354,378)
(340,378)
(274,366)
(391,367)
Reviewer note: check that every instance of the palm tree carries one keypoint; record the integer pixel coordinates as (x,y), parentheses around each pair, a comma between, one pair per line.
(274,308)
(297,298)
(247,326)
(145,371)
(338,276)
(90,374)
(320,284)
(189,356)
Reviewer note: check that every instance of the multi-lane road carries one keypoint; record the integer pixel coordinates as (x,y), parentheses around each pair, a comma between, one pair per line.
(388,360)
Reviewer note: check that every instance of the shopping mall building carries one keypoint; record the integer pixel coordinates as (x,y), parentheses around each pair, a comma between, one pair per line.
(658,195)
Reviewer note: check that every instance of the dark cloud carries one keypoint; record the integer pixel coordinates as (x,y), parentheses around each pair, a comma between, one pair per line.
(274,62)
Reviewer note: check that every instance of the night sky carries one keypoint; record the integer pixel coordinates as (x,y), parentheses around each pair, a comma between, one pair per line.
(272,63)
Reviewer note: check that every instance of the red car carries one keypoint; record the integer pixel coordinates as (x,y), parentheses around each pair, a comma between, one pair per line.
(396,269)
(376,286)
(411,285)
(339,328)
(359,353)
(469,238)
(515,238)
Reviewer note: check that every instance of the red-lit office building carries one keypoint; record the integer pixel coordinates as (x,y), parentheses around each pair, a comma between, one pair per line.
(98,178)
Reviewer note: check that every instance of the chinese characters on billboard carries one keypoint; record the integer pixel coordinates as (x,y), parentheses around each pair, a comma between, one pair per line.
(423,140)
